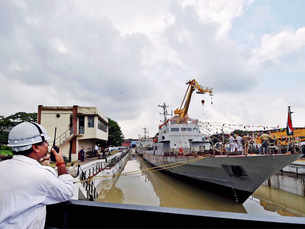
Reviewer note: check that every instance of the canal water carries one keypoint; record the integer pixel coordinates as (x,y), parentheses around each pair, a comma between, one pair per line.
(146,187)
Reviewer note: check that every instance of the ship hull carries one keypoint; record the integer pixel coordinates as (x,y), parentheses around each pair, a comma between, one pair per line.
(234,176)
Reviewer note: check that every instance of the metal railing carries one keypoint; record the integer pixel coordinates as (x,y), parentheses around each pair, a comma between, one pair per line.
(87,183)
(62,138)
(86,175)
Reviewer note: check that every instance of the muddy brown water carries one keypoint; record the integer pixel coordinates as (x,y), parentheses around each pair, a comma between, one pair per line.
(146,187)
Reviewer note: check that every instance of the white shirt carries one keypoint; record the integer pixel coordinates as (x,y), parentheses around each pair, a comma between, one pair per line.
(26,187)
(239,140)
(231,139)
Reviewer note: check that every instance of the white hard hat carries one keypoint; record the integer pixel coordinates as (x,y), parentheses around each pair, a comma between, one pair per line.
(25,134)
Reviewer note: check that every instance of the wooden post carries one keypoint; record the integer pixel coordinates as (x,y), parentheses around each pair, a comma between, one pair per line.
(39,114)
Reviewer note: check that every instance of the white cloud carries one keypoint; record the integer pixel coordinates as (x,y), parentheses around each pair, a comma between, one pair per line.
(127,58)
(17,96)
(129,16)
(222,12)
(60,46)
(275,46)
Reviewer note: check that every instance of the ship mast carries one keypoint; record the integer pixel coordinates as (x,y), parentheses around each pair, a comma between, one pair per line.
(146,134)
(164,113)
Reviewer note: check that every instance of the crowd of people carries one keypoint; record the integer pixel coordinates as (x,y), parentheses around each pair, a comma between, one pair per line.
(259,143)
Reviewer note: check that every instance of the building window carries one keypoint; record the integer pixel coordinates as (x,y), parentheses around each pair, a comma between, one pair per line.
(81,125)
(102,125)
(91,121)
(174,129)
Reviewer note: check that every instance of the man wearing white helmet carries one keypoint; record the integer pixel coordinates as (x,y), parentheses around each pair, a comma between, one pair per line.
(26,187)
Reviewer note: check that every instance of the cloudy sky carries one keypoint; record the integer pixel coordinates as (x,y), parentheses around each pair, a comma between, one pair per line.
(126,57)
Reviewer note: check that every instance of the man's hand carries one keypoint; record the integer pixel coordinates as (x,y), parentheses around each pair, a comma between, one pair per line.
(58,157)
(60,163)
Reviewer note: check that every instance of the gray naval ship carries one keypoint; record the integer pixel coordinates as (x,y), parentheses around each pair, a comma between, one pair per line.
(180,149)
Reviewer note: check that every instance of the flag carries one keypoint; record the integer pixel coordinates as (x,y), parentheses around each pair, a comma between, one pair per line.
(289,128)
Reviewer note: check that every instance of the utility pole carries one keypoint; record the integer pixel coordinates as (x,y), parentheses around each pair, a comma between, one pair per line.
(223,140)
(145,132)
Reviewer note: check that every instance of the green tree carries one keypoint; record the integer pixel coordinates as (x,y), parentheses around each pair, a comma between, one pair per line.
(23,117)
(6,123)
(115,135)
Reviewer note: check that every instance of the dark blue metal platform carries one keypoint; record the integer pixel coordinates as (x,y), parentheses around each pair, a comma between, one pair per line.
(89,214)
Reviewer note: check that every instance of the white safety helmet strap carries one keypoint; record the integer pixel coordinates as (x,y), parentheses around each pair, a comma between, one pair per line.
(21,148)
(40,132)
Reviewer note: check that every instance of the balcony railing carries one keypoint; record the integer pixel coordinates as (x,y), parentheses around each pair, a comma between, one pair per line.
(62,138)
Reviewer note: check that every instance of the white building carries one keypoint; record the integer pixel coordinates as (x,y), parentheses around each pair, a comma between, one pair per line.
(77,127)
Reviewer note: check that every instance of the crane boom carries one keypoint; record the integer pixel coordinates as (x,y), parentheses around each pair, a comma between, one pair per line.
(193,85)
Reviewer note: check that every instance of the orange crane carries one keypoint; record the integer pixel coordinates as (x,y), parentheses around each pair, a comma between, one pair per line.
(193,85)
